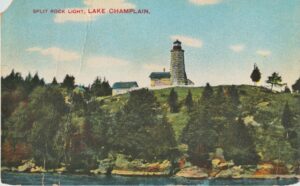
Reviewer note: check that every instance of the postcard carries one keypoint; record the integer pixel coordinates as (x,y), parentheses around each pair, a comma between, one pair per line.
(148,92)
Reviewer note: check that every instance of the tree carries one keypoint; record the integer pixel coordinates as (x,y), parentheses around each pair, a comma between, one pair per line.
(54,82)
(141,130)
(296,86)
(287,89)
(189,103)
(45,109)
(200,137)
(28,78)
(238,144)
(207,93)
(36,81)
(274,80)
(234,95)
(287,120)
(173,101)
(69,82)
(100,88)
(255,75)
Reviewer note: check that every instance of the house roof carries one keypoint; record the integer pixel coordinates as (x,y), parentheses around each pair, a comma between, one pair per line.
(125,85)
(160,75)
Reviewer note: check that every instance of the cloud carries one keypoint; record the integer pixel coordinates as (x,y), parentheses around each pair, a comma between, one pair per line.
(188,41)
(108,4)
(205,2)
(92,4)
(264,53)
(105,61)
(237,47)
(154,67)
(56,53)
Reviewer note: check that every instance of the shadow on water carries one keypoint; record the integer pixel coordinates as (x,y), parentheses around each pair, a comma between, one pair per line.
(68,179)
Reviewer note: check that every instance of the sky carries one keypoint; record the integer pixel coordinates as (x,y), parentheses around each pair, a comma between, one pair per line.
(222,40)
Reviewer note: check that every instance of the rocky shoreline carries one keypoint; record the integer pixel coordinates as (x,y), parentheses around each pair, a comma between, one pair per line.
(220,170)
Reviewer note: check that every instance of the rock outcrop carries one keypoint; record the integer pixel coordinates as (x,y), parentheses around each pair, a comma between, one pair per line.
(193,172)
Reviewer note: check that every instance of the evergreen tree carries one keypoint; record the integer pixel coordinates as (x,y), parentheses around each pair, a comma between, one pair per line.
(287,120)
(286,89)
(69,82)
(200,137)
(207,93)
(28,78)
(217,104)
(296,86)
(35,81)
(189,103)
(234,95)
(255,75)
(101,88)
(173,101)
(141,130)
(107,90)
(274,80)
(238,144)
(54,82)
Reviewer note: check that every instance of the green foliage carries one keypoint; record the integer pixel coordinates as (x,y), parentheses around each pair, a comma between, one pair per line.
(200,137)
(255,75)
(287,120)
(140,130)
(54,82)
(173,101)
(287,89)
(69,82)
(296,86)
(274,80)
(189,103)
(78,126)
(207,93)
(238,144)
(100,88)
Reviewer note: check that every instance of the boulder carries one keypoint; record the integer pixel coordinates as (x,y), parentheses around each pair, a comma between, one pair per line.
(224,174)
(26,166)
(62,169)
(99,171)
(153,167)
(165,165)
(237,171)
(3,169)
(121,161)
(215,162)
(192,172)
(137,164)
(37,169)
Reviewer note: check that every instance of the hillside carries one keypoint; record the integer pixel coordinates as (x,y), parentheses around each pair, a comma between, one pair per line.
(252,97)
(73,127)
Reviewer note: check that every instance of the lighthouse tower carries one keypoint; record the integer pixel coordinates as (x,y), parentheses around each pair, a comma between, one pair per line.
(177,69)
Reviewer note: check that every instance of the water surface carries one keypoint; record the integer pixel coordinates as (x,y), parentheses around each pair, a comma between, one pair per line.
(70,179)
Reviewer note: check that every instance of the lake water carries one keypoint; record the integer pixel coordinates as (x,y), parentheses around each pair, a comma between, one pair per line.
(68,179)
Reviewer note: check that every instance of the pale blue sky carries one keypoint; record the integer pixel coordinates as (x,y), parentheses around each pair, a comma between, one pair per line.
(222,40)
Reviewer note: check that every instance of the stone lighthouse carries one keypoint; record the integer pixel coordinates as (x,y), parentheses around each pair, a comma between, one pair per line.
(177,68)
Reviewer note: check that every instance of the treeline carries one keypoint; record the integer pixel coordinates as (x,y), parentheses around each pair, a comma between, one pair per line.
(61,124)
(217,121)
(57,125)
(15,89)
